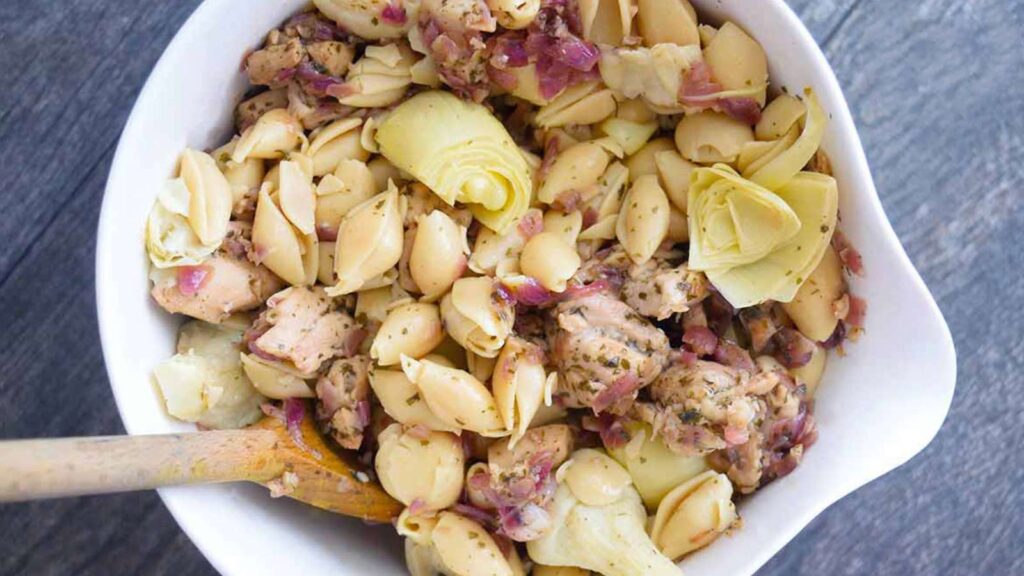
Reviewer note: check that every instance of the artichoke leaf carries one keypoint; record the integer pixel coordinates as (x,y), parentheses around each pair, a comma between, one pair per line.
(462,153)
(786,165)
(814,198)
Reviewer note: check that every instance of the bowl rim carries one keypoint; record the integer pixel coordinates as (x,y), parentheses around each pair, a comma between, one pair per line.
(178,506)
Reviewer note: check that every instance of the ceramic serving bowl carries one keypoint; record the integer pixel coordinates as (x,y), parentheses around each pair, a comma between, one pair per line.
(876,408)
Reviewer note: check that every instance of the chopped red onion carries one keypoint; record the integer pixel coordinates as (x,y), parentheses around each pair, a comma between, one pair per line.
(394,13)
(191,279)
(858,311)
(792,349)
(848,255)
(475,514)
(326,233)
(701,340)
(732,355)
(623,387)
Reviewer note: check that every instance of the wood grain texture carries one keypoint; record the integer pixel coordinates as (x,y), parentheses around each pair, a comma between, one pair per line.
(935,88)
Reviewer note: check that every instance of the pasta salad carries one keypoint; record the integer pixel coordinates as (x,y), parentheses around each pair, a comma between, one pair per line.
(565,274)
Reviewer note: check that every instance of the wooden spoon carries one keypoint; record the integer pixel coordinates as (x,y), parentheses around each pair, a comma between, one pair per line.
(262,453)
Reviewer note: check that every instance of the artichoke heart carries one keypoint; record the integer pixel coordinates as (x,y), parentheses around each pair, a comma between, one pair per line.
(734,221)
(814,199)
(462,153)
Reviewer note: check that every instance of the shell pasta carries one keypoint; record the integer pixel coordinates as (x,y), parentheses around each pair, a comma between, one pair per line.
(564,277)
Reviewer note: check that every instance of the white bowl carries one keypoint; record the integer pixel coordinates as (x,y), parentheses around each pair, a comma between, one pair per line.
(876,408)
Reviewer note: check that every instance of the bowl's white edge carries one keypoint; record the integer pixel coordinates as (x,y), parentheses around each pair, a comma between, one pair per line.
(104,267)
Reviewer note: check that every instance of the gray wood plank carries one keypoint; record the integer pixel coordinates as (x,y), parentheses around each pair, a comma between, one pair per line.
(935,91)
(71,71)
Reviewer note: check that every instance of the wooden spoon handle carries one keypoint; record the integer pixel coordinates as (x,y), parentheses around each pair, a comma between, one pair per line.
(36,469)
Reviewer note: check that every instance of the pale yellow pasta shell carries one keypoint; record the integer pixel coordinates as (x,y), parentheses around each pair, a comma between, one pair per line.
(381,77)
(426,470)
(243,177)
(480,367)
(644,219)
(272,381)
(420,559)
(210,199)
(584,103)
(709,137)
(369,242)
(418,528)
(678,227)
(350,185)
(674,175)
(274,134)
(295,192)
(476,317)
(276,242)
(737,61)
(810,374)
(363,18)
(498,254)
(514,14)
(630,136)
(401,400)
(383,171)
(466,549)
(606,21)
(373,304)
(339,140)
(527,84)
(635,110)
(566,225)
(455,396)
(549,259)
(667,21)
(812,308)
(519,384)
(642,163)
(439,254)
(576,169)
(594,477)
(412,329)
(693,515)
(779,117)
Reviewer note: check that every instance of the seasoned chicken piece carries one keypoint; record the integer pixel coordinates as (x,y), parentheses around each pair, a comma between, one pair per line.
(332,56)
(304,328)
(519,482)
(343,395)
(217,288)
(702,406)
(604,351)
(553,442)
(269,66)
(657,289)
(250,110)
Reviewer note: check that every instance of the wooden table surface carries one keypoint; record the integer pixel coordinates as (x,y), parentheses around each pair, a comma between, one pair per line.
(937,90)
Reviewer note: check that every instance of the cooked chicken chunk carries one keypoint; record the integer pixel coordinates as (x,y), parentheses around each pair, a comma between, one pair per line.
(216,289)
(268,66)
(250,110)
(705,406)
(657,289)
(343,395)
(521,482)
(604,351)
(332,56)
(305,329)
